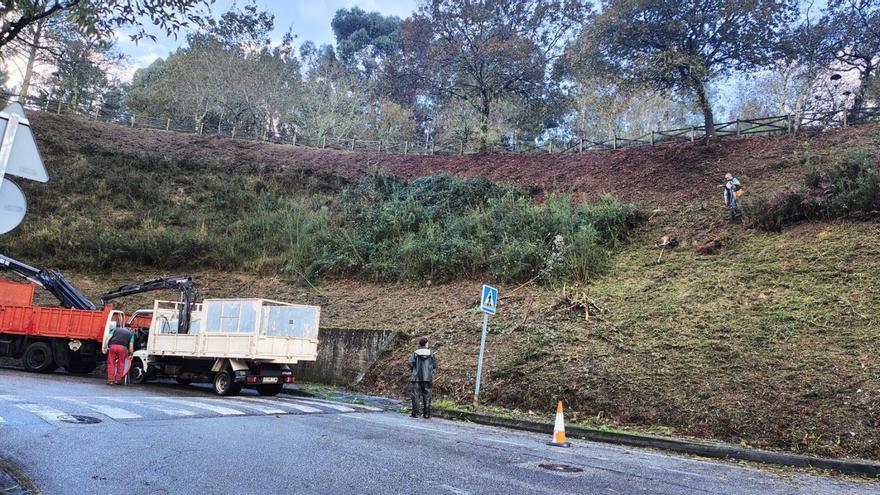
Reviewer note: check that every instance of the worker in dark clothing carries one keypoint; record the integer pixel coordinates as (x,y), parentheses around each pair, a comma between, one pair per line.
(422,364)
(118,346)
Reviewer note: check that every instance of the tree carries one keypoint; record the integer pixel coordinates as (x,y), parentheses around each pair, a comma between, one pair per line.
(853,41)
(488,50)
(98,18)
(364,40)
(682,45)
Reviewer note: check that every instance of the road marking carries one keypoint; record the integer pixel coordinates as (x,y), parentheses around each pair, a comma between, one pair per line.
(223,411)
(109,411)
(297,406)
(11,398)
(328,404)
(243,403)
(170,411)
(46,412)
(455,490)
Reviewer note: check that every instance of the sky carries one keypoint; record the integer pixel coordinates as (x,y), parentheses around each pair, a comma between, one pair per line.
(309,20)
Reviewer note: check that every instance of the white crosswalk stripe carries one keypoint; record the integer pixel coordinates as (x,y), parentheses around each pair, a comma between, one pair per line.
(223,411)
(109,411)
(162,408)
(45,412)
(57,408)
(336,407)
(283,403)
(249,404)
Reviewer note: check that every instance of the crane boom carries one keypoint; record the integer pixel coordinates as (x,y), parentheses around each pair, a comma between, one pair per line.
(183,283)
(50,279)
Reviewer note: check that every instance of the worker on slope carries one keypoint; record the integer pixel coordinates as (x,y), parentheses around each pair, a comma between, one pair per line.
(118,345)
(422,364)
(732,191)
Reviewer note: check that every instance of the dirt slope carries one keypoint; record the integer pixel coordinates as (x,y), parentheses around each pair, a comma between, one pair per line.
(770,342)
(652,176)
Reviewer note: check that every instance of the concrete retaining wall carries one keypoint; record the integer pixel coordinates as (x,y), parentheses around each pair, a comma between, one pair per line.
(344,355)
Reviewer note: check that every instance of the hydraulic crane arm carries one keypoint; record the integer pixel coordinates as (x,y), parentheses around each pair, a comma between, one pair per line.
(51,280)
(184,284)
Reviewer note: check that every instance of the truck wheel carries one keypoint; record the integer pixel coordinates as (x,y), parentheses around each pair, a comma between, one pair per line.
(270,389)
(38,358)
(224,384)
(184,381)
(81,366)
(137,374)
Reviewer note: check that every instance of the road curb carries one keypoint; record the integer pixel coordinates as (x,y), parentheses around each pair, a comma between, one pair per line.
(705,449)
(25,485)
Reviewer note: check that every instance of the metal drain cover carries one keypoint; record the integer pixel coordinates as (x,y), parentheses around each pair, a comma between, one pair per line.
(81,420)
(560,468)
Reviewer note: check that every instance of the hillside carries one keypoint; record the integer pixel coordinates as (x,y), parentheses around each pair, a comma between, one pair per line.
(768,342)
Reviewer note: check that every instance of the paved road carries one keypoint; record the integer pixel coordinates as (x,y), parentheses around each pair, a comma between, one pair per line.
(77,435)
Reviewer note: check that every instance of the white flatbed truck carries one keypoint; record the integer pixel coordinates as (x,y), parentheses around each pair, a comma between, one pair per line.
(230,343)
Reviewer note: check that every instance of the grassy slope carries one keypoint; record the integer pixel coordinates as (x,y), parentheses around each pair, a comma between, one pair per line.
(768,342)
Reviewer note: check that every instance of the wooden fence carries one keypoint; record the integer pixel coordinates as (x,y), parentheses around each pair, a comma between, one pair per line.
(765,126)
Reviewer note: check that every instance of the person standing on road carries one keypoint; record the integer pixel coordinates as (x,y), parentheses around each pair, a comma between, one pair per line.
(118,345)
(732,191)
(422,364)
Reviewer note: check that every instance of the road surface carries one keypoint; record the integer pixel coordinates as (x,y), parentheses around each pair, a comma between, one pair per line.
(77,435)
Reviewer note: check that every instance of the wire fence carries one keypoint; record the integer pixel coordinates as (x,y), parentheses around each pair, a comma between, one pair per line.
(765,126)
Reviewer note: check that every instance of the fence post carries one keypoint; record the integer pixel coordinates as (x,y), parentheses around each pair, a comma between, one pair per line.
(614,144)
(432,147)
(97,111)
(234,128)
(738,131)
(693,132)
(581,145)
(168,124)
(323,141)
(132,120)
(59,106)
(380,146)
(652,137)
(405,147)
(550,148)
(461,146)
(352,143)
(844,116)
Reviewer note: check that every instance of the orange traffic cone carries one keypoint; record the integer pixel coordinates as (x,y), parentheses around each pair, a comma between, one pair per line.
(559,429)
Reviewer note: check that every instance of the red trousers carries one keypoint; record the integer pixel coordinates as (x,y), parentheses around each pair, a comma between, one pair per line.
(117,358)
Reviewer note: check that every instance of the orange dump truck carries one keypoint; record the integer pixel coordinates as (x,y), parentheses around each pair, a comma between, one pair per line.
(46,338)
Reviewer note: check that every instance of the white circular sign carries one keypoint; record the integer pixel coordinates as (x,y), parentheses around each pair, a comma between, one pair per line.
(13,206)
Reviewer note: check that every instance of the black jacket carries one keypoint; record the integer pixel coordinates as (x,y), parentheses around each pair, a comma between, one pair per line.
(422,363)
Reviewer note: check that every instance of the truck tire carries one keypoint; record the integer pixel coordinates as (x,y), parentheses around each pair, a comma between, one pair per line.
(78,366)
(38,358)
(183,381)
(270,389)
(224,383)
(137,374)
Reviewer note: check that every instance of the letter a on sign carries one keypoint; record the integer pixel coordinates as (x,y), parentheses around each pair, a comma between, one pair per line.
(489,299)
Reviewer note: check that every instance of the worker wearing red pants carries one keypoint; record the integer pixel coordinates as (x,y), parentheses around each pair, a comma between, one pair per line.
(118,345)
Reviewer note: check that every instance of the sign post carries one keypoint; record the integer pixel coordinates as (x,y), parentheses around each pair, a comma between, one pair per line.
(488,305)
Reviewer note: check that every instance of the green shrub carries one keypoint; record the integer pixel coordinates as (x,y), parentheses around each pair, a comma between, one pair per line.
(850,187)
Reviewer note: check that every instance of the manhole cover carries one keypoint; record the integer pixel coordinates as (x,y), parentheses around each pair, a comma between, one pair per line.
(82,420)
(560,468)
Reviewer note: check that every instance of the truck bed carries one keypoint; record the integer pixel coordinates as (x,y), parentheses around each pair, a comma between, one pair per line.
(53,322)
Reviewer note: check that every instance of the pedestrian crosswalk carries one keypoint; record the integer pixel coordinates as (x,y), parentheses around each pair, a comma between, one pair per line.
(58,409)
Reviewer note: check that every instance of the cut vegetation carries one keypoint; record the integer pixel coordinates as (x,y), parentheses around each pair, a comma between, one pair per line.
(768,342)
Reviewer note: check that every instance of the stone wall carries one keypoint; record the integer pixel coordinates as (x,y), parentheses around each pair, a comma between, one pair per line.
(344,355)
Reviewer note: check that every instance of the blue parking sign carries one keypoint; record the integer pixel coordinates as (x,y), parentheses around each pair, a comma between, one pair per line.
(489,299)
